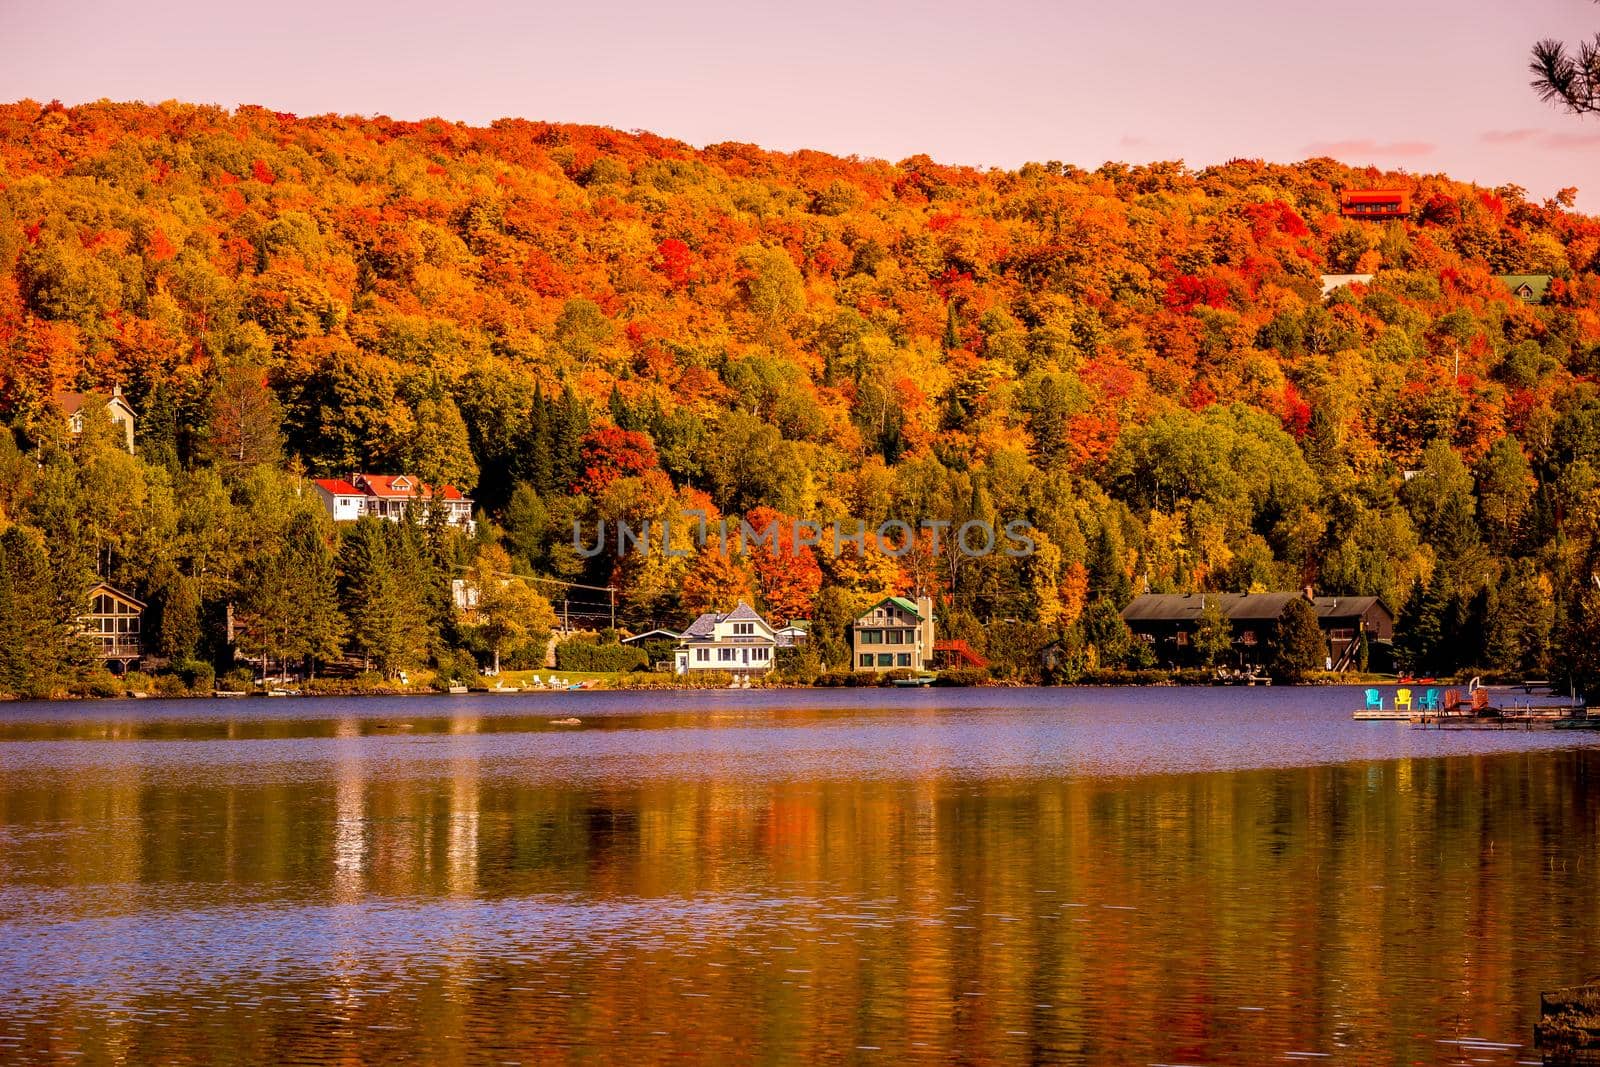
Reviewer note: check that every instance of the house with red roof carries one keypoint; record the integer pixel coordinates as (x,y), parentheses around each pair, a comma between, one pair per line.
(388,496)
(71,405)
(1375,203)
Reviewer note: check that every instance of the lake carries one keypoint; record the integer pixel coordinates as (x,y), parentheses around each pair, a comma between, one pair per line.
(868,876)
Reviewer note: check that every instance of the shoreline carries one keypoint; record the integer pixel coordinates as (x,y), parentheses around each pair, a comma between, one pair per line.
(603,684)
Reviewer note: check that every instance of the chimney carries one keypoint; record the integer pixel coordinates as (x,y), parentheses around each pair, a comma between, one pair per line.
(925,627)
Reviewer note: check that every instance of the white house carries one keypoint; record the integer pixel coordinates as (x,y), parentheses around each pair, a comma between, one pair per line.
(71,405)
(387,496)
(739,642)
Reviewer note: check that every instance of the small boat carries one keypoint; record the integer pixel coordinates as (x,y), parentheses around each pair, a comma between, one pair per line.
(228,693)
(283,692)
(566,722)
(918,682)
(139,694)
(457,690)
(501,690)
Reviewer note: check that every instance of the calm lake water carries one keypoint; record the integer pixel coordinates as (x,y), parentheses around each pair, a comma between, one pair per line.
(977,876)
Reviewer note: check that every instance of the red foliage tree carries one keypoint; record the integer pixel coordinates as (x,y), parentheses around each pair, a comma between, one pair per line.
(608,453)
(788,575)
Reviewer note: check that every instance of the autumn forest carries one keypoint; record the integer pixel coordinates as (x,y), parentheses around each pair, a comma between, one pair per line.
(574,324)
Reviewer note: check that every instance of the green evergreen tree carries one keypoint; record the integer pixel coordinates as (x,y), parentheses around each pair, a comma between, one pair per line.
(35,632)
(1299,647)
(385,629)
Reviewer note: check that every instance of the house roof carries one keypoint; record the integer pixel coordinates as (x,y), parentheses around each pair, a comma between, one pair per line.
(704,626)
(70,403)
(661,631)
(403,487)
(900,602)
(1346,607)
(105,587)
(1374,196)
(1241,607)
(1538,284)
(385,487)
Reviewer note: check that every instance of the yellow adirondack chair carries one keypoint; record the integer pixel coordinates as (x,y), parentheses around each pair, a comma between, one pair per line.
(1402,699)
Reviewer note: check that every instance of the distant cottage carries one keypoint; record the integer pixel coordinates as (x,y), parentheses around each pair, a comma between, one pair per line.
(1334,282)
(1169,621)
(114,623)
(388,496)
(1528,288)
(1375,203)
(71,406)
(739,642)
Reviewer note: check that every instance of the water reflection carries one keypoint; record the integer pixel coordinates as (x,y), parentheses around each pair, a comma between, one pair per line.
(457,903)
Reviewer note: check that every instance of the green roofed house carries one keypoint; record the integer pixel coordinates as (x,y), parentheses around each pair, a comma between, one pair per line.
(1528,288)
(893,634)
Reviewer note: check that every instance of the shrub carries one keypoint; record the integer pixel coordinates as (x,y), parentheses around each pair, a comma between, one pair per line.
(101,684)
(198,675)
(238,680)
(454,666)
(962,676)
(170,685)
(585,654)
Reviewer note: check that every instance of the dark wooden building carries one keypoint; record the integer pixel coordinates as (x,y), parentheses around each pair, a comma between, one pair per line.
(1169,621)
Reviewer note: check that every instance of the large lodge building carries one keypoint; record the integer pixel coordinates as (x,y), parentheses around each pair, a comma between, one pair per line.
(1169,621)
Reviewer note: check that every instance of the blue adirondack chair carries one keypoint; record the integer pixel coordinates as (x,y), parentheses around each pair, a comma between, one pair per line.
(1428,701)
(1374,700)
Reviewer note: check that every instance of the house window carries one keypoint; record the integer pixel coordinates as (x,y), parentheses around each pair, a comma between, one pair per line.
(702,654)
(744,628)
(903,660)
(759,655)
(872,637)
(1183,638)
(1342,633)
(886,659)
(726,654)
(866,659)
(1247,637)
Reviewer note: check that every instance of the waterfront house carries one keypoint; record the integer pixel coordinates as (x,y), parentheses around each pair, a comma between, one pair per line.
(114,624)
(388,496)
(1375,203)
(1528,288)
(1169,621)
(893,634)
(739,642)
(71,406)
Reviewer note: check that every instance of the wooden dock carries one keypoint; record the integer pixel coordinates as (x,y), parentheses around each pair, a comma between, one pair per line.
(1383,715)
(1512,717)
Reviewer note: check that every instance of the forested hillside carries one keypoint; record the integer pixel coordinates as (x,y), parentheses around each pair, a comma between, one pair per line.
(582,324)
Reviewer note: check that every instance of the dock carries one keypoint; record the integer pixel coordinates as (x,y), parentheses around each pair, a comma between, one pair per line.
(1428,709)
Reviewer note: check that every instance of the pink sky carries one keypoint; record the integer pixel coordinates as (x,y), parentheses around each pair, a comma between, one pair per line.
(1421,84)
